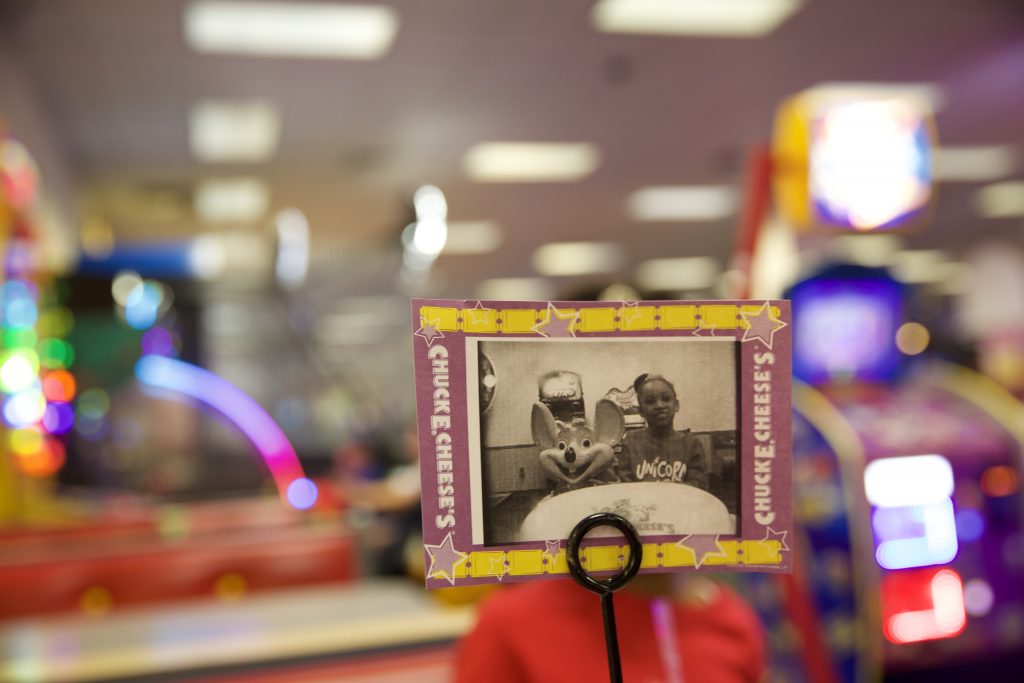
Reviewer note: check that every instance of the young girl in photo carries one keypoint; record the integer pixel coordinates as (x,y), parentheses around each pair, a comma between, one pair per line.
(659,452)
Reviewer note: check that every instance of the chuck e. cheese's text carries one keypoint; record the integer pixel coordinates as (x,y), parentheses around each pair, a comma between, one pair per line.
(440,429)
(764,443)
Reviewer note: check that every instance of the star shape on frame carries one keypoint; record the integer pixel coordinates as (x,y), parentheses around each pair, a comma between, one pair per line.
(703,547)
(773,535)
(478,314)
(630,311)
(552,548)
(761,325)
(444,558)
(556,323)
(428,330)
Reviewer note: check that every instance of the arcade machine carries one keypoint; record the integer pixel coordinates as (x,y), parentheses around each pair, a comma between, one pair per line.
(906,470)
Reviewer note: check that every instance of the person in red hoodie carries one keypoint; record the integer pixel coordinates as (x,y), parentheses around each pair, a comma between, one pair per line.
(671,629)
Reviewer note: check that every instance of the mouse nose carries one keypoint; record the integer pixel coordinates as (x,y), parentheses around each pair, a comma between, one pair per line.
(570,455)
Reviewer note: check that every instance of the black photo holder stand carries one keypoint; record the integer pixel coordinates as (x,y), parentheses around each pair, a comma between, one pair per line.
(606,587)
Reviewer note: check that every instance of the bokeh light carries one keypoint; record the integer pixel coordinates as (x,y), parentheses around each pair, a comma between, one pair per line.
(142,307)
(1000,481)
(912,338)
(302,493)
(58,418)
(59,385)
(978,597)
(25,408)
(19,370)
(56,354)
(158,341)
(93,403)
(123,284)
(25,441)
(45,461)
(56,321)
(970,524)
(20,338)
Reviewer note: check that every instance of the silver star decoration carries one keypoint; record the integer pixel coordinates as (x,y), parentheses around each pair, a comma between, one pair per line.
(702,547)
(761,325)
(552,548)
(478,314)
(498,567)
(773,535)
(444,558)
(630,311)
(556,323)
(428,330)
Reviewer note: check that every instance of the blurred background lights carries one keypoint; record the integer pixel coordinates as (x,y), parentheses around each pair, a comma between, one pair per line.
(20,176)
(869,163)
(20,337)
(142,307)
(59,385)
(26,440)
(526,162)
(158,341)
(970,524)
(912,338)
(473,237)
(578,258)
(292,263)
(25,408)
(55,354)
(1000,481)
(233,131)
(45,461)
(946,618)
(302,493)
(123,284)
(93,403)
(19,370)
(750,19)
(58,418)
(978,597)
(908,480)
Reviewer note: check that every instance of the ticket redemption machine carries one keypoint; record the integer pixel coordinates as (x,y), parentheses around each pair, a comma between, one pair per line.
(907,494)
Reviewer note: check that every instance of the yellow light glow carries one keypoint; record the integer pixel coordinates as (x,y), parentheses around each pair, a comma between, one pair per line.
(912,338)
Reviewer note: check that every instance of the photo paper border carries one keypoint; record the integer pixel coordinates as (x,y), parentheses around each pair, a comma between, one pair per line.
(762,328)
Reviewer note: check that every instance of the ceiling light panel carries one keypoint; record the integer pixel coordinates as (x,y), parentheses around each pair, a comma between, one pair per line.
(473,237)
(232,200)
(744,18)
(1001,200)
(279,29)
(682,203)
(578,258)
(523,162)
(514,289)
(233,131)
(676,274)
(973,164)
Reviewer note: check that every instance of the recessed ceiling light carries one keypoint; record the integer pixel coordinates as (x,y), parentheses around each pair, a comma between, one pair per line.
(233,131)
(682,203)
(1001,200)
(231,200)
(750,18)
(672,274)
(514,289)
(285,29)
(967,164)
(578,258)
(473,237)
(871,250)
(521,162)
(915,266)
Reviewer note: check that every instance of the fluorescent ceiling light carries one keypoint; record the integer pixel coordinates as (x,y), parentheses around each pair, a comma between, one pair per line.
(228,200)
(520,162)
(673,274)
(473,237)
(514,289)
(920,266)
(578,258)
(871,250)
(233,131)
(967,164)
(744,18)
(928,93)
(1002,200)
(297,29)
(682,203)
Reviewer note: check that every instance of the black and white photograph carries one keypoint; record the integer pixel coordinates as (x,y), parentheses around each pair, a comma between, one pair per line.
(642,427)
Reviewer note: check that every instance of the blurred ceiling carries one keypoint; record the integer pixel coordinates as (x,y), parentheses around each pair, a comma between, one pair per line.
(358,137)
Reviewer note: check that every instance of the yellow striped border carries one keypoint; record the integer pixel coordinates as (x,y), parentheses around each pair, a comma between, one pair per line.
(598,319)
(498,563)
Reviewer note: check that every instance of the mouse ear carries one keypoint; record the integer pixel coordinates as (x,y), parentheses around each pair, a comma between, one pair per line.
(609,422)
(542,423)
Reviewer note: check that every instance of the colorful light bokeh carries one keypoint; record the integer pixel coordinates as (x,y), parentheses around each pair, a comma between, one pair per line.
(183,379)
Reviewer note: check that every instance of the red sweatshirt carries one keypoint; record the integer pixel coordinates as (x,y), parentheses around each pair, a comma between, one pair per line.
(551,631)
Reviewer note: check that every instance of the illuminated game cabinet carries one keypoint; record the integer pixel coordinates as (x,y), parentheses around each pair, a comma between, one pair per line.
(907,486)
